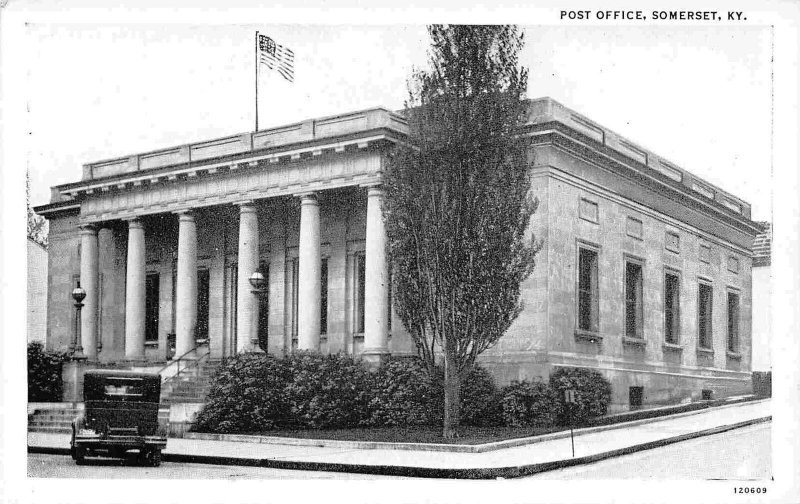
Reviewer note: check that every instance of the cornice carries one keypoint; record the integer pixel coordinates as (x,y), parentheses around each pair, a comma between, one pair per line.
(588,150)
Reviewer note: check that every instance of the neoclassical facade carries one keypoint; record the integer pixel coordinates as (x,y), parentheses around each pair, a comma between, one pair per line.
(645,271)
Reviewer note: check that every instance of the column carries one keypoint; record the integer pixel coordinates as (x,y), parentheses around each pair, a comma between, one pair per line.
(135,292)
(308,284)
(376,290)
(246,300)
(186,284)
(89,282)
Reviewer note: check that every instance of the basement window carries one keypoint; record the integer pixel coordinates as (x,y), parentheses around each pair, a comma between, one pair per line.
(635,396)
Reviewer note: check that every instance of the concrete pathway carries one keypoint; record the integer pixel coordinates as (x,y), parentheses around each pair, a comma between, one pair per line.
(588,443)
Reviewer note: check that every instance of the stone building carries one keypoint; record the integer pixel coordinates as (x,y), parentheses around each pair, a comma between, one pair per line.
(762,299)
(645,273)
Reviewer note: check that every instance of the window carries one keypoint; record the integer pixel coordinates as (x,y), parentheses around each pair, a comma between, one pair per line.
(705,254)
(263,309)
(733,264)
(704,306)
(672,242)
(151,307)
(633,227)
(389,315)
(588,299)
(733,322)
(588,210)
(323,305)
(293,267)
(633,299)
(672,293)
(234,288)
(360,290)
(201,330)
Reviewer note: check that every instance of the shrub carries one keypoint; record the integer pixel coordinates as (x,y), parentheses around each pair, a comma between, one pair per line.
(529,404)
(44,374)
(247,395)
(402,393)
(327,391)
(592,391)
(481,402)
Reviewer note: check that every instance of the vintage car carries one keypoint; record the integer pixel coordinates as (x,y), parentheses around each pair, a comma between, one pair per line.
(121,414)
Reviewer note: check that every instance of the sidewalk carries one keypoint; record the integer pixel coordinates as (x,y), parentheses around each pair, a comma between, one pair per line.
(590,445)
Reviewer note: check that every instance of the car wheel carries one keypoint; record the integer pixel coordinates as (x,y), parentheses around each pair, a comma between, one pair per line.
(80,455)
(155,458)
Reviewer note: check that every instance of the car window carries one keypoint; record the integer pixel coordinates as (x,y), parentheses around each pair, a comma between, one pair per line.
(126,390)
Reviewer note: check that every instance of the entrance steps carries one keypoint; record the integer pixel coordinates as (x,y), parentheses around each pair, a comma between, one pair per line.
(191,385)
(58,420)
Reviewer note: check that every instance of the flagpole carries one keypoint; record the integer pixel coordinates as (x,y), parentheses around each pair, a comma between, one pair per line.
(256,65)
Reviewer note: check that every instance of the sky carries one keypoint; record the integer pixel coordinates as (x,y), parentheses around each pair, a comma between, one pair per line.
(699,96)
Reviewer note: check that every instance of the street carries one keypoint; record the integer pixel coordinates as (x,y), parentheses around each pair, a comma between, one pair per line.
(60,466)
(737,454)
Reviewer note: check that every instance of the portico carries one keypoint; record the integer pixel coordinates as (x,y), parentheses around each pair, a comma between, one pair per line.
(185,228)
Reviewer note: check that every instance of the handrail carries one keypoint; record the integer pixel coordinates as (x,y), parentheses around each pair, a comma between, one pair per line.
(177,362)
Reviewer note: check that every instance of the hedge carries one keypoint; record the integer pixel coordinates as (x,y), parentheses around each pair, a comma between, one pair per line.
(402,393)
(248,394)
(327,391)
(44,374)
(529,404)
(258,393)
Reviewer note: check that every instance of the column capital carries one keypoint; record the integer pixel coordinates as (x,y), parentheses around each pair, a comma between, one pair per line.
(89,229)
(308,198)
(185,215)
(375,190)
(134,223)
(248,206)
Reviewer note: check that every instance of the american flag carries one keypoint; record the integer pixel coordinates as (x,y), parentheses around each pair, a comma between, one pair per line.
(276,57)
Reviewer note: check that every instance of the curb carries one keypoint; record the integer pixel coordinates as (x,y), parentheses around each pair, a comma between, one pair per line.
(454,448)
(431,472)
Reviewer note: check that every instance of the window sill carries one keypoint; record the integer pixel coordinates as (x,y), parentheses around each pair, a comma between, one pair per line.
(733,355)
(705,351)
(588,336)
(630,340)
(151,344)
(672,347)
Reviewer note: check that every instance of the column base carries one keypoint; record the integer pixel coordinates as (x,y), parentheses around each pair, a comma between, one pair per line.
(72,380)
(374,357)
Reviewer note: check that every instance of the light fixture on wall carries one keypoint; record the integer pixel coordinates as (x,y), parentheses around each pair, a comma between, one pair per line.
(258,282)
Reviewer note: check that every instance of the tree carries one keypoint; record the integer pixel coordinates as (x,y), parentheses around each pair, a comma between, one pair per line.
(458,204)
(37,225)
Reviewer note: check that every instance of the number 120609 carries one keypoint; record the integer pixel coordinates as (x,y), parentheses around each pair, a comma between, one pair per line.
(749,490)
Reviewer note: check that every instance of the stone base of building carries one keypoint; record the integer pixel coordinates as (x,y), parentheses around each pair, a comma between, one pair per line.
(656,384)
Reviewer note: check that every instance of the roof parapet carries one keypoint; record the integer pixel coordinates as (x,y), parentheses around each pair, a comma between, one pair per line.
(543,110)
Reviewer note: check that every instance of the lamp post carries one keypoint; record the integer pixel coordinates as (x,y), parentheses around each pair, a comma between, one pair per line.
(78,294)
(259,284)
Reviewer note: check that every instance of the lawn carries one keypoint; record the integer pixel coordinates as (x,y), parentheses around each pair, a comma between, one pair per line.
(420,434)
